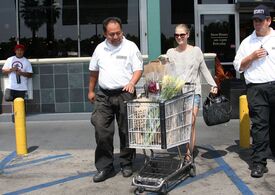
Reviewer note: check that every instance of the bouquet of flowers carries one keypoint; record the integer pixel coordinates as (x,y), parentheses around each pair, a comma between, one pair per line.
(170,87)
(153,85)
(164,89)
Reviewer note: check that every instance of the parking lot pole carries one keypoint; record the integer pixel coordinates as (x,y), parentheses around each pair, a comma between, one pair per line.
(244,123)
(20,126)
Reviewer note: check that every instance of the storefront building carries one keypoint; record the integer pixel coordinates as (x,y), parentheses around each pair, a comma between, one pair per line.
(72,28)
(56,30)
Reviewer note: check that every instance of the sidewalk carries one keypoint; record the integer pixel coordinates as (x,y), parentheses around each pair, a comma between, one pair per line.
(61,157)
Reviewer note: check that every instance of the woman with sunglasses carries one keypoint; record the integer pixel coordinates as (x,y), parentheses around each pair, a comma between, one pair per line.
(189,63)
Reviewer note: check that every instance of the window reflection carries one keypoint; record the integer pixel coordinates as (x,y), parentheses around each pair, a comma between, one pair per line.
(91,30)
(48,28)
(172,13)
(8,28)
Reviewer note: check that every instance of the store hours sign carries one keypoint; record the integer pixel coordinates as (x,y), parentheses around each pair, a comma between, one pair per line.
(219,39)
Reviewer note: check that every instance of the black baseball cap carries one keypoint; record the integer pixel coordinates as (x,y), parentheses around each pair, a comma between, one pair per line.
(261,12)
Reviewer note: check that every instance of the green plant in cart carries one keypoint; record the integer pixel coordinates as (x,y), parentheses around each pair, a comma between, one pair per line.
(170,87)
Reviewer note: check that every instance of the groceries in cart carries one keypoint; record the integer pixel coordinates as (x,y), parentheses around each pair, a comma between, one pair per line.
(162,81)
(163,101)
(160,125)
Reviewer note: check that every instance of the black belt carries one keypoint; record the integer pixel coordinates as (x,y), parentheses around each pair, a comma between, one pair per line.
(267,83)
(111,91)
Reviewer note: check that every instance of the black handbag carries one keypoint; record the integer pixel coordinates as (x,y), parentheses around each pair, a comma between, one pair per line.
(216,110)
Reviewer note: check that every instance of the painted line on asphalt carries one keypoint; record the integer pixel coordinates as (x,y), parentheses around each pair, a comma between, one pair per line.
(37,162)
(49,184)
(6,160)
(223,166)
(231,173)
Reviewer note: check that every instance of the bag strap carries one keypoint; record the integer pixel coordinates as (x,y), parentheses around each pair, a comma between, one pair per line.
(211,98)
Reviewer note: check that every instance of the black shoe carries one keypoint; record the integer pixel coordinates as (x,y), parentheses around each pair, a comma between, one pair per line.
(104,174)
(126,171)
(258,170)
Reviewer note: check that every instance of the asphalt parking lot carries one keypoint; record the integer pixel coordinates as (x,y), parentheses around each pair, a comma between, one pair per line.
(61,153)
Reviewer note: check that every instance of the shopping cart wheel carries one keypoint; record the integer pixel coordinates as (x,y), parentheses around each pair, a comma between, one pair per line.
(192,170)
(139,190)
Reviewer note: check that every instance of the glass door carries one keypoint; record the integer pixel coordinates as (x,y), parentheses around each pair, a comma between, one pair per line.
(217,32)
(218,35)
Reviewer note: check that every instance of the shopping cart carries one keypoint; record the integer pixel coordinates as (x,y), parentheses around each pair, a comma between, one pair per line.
(160,126)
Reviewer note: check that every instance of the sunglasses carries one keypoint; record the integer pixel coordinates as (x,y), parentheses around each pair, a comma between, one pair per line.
(182,35)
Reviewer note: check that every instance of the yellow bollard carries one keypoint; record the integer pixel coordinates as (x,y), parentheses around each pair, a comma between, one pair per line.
(20,126)
(244,123)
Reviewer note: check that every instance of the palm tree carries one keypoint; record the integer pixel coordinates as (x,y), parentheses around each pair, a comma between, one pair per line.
(52,13)
(32,14)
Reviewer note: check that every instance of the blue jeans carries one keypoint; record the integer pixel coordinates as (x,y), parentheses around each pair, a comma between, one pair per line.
(197,100)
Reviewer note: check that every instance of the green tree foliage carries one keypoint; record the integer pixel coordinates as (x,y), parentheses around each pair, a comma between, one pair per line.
(33,15)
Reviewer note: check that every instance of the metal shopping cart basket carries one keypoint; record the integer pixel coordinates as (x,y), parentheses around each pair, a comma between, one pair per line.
(160,126)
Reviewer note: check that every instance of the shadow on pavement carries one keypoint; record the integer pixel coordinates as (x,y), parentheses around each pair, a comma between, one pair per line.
(32,148)
(211,154)
(244,153)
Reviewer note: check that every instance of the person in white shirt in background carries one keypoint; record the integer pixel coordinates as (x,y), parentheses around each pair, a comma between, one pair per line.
(18,69)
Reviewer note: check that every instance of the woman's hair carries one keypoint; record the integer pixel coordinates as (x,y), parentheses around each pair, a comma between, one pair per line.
(184,26)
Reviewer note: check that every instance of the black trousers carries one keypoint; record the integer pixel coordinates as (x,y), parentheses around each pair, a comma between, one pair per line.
(261,103)
(108,106)
(11,94)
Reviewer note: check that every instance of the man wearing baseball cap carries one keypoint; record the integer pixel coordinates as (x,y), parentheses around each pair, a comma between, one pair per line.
(261,12)
(19,69)
(256,59)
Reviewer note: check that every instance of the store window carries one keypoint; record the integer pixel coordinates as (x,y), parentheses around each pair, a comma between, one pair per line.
(49,28)
(8,28)
(91,32)
(42,31)
(172,13)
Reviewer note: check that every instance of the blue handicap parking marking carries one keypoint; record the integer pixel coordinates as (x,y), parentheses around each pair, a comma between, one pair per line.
(6,160)
(52,183)
(4,165)
(36,162)
(232,175)
(223,166)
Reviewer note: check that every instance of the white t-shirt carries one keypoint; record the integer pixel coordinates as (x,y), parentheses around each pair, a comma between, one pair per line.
(25,66)
(261,70)
(116,65)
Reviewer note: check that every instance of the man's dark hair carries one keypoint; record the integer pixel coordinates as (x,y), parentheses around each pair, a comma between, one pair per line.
(109,20)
